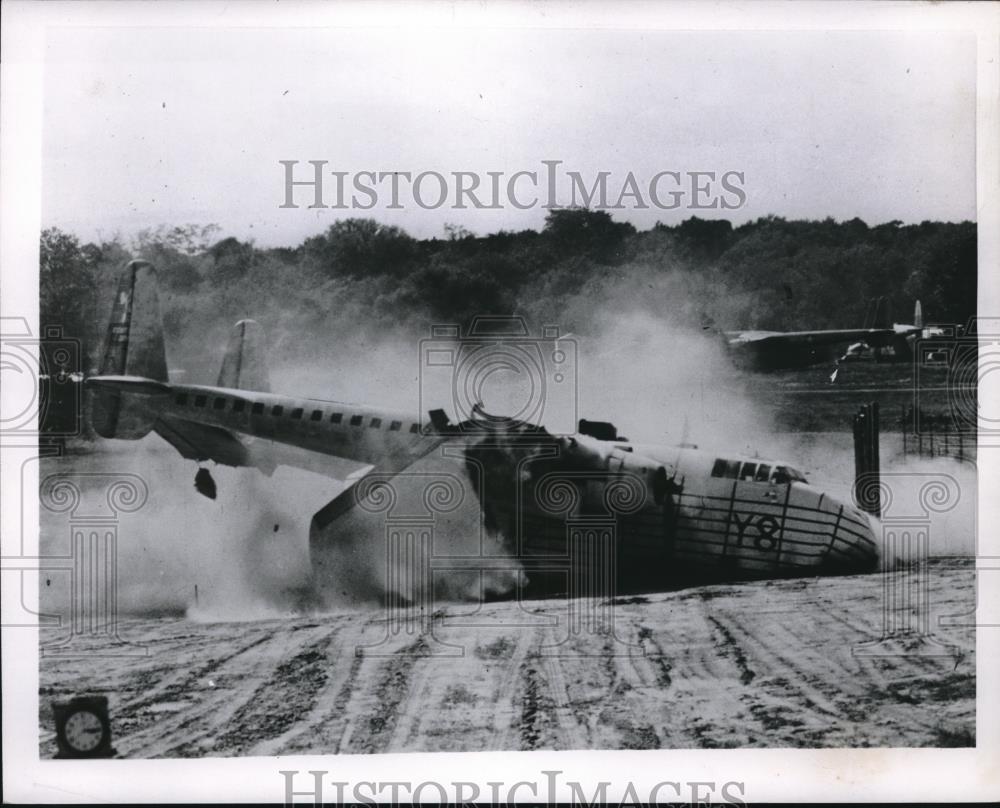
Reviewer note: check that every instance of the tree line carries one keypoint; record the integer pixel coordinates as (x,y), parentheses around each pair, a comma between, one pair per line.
(360,278)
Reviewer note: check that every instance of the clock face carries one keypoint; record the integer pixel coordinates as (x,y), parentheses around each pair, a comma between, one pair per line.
(84,731)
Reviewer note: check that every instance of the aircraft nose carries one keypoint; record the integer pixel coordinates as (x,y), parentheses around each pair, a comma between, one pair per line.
(854,547)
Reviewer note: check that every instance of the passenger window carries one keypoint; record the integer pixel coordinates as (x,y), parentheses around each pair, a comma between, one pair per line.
(219,404)
(356,420)
(763,472)
(414,428)
(277,409)
(317,415)
(394,426)
(747,472)
(297,412)
(781,476)
(732,469)
(239,405)
(375,423)
(182,398)
(336,418)
(199,401)
(719,469)
(257,408)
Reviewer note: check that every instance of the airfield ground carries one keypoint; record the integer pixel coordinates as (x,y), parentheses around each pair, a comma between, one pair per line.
(768,664)
(806,401)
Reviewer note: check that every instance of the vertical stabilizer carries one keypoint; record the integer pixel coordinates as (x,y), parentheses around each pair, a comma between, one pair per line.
(244,366)
(134,349)
(135,334)
(883,313)
(870,313)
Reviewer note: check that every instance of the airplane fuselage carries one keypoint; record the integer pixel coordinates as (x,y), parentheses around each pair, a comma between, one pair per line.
(366,435)
(722,517)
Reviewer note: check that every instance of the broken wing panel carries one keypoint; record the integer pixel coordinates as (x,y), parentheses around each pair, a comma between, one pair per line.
(343,502)
(360,485)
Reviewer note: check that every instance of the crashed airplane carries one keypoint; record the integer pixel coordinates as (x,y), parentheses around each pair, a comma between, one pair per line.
(670,513)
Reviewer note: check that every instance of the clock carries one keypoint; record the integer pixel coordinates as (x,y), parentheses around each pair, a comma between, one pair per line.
(83,729)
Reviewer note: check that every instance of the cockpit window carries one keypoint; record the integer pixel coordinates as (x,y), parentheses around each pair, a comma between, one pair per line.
(783,475)
(729,469)
(748,471)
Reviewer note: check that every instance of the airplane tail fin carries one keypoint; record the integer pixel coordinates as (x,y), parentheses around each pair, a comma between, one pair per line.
(879,313)
(134,355)
(883,313)
(244,366)
(870,313)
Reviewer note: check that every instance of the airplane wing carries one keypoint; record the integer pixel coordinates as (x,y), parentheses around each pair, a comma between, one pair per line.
(826,337)
(343,502)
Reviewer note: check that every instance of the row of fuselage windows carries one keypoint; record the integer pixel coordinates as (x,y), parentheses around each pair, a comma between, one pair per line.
(278,410)
(755,472)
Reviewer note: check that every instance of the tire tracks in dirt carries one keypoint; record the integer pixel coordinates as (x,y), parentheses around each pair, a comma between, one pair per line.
(280,702)
(321,732)
(201,726)
(372,731)
(610,722)
(732,649)
(783,693)
(508,712)
(141,728)
(536,724)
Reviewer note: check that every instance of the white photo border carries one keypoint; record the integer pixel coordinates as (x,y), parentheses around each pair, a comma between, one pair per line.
(769,775)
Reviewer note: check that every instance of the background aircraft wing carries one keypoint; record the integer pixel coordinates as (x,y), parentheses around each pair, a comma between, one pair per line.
(826,337)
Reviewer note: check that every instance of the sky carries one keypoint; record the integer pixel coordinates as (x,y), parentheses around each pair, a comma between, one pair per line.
(147,126)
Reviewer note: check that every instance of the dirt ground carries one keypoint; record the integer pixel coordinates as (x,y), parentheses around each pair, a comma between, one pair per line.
(793,663)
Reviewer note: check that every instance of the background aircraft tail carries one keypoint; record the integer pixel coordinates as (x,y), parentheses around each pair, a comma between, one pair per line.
(134,356)
(883,315)
(244,366)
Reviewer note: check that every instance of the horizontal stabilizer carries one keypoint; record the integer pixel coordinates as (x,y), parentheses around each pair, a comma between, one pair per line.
(129,384)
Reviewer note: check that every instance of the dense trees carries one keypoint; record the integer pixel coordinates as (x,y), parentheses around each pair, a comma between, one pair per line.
(361,277)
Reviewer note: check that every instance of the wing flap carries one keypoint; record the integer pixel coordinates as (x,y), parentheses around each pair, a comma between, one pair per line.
(201,442)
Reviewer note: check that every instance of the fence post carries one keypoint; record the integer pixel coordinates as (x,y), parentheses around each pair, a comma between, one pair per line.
(867,494)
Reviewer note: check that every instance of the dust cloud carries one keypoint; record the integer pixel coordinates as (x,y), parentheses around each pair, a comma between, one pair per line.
(636,354)
(241,556)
